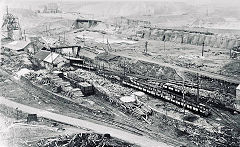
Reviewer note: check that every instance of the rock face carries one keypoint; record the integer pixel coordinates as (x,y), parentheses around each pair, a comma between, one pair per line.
(194,38)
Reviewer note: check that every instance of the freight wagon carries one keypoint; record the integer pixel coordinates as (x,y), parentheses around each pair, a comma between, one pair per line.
(198,108)
(86,88)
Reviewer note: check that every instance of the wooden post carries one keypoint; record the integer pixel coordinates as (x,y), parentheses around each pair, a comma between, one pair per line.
(24,35)
(64,37)
(197,88)
(46,31)
(17,112)
(164,45)
(230,53)
(103,72)
(203,47)
(183,96)
(124,70)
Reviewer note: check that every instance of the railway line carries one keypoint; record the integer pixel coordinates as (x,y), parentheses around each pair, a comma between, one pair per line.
(225,118)
(105,71)
(74,108)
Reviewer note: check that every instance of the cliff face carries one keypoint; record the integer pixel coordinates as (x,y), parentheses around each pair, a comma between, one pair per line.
(194,38)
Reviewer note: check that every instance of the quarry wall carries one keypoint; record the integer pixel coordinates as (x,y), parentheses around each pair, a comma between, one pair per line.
(193,38)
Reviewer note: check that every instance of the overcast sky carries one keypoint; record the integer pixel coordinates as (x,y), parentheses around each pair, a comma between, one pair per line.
(222,3)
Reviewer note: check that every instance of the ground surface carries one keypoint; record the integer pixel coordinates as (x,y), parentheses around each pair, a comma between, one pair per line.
(168,121)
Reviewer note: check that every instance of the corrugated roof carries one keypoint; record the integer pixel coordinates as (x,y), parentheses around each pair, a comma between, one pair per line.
(17,45)
(51,57)
(41,55)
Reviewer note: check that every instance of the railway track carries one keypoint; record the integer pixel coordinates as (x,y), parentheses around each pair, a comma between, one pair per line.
(225,119)
(74,109)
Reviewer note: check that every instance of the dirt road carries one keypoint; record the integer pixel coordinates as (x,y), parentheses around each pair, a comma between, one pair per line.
(132,138)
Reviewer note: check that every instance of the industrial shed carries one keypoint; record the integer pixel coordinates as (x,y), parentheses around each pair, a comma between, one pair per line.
(54,60)
(40,56)
(18,46)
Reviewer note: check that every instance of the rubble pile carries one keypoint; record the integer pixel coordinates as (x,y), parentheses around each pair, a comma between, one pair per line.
(55,84)
(84,140)
(13,63)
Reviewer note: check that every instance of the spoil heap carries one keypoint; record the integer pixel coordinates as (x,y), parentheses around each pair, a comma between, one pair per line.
(83,139)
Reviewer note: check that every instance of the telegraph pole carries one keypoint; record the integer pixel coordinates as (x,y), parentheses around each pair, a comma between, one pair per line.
(203,47)
(64,37)
(17,112)
(46,31)
(230,53)
(124,69)
(146,44)
(24,35)
(198,87)
(183,96)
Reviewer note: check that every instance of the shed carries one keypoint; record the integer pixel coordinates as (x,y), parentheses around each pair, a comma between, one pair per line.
(40,56)
(54,60)
(17,46)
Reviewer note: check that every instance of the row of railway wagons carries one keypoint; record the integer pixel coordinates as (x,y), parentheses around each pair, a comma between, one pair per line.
(169,96)
(168,93)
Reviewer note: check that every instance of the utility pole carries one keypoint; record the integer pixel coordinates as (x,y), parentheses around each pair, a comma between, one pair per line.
(163,39)
(164,46)
(103,72)
(24,35)
(182,38)
(84,39)
(69,59)
(203,47)
(51,57)
(124,69)
(17,112)
(146,44)
(103,41)
(230,53)
(46,31)
(64,37)
(198,87)
(183,96)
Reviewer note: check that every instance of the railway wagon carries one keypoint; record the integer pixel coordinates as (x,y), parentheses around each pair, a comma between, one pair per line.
(168,96)
(172,89)
(85,66)
(86,88)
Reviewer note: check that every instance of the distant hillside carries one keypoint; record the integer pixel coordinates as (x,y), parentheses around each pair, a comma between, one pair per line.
(129,8)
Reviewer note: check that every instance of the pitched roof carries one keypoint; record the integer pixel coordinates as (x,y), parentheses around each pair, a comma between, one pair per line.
(17,45)
(51,57)
(41,55)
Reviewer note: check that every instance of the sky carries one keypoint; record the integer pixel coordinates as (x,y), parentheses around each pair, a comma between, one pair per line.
(225,2)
